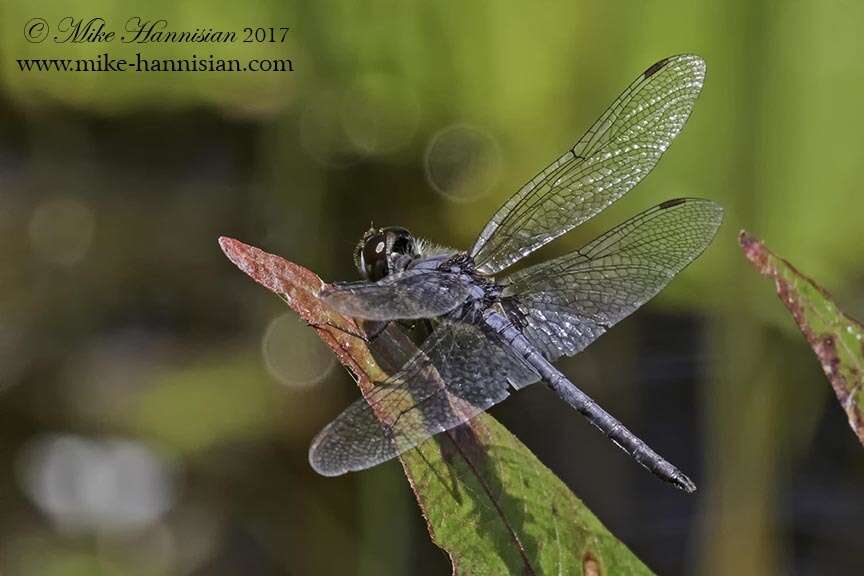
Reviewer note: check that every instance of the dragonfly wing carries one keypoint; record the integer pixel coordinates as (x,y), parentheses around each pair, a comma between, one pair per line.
(567,303)
(458,372)
(620,149)
(416,293)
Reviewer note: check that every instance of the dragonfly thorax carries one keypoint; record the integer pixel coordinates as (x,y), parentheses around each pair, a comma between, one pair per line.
(383,251)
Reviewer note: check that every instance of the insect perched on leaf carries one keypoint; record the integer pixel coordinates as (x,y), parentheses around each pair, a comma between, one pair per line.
(496,333)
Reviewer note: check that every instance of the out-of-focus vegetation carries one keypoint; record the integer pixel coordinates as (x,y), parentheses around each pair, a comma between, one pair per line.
(157,408)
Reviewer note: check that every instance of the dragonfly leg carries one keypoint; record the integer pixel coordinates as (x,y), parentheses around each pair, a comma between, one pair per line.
(377,329)
(347,331)
(367,338)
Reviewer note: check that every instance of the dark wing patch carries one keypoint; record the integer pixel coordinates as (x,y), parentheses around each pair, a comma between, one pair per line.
(655,67)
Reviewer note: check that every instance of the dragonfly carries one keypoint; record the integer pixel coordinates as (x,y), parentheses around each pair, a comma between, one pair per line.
(494,333)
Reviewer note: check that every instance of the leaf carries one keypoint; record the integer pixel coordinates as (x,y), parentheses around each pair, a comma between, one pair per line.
(487,500)
(837,339)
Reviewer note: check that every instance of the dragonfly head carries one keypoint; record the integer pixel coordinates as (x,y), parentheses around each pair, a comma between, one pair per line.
(383,251)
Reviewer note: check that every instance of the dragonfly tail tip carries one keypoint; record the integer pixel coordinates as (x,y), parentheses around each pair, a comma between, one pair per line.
(682,482)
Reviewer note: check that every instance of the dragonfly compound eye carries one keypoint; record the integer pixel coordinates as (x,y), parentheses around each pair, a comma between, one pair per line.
(381,251)
(372,256)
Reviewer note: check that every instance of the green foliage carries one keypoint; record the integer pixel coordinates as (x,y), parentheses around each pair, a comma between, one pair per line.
(487,500)
(496,509)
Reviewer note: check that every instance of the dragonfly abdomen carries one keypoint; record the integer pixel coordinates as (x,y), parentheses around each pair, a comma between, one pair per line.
(600,418)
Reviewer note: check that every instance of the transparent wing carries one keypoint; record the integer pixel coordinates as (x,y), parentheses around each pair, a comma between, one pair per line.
(402,296)
(567,303)
(456,374)
(620,149)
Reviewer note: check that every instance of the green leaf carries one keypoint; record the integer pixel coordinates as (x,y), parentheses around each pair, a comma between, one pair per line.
(837,339)
(487,500)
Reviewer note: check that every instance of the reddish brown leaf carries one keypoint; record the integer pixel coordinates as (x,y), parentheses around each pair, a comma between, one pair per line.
(837,339)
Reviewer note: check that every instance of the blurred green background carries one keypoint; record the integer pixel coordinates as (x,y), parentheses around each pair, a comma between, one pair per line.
(156,406)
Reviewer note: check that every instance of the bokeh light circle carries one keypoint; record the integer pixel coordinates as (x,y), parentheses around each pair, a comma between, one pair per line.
(380,114)
(293,353)
(99,485)
(462,162)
